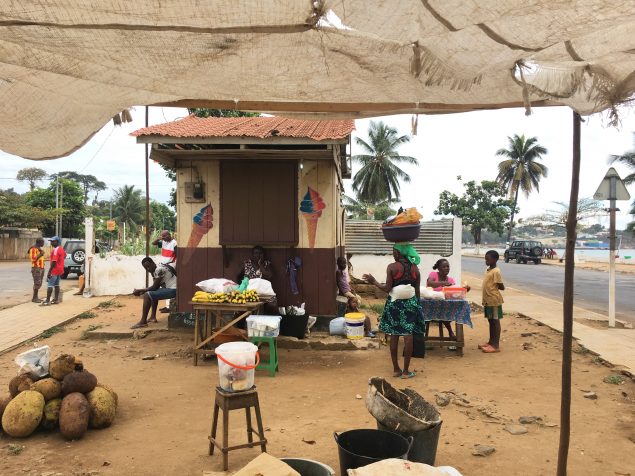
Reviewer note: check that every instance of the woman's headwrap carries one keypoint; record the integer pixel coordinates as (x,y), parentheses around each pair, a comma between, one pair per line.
(408,251)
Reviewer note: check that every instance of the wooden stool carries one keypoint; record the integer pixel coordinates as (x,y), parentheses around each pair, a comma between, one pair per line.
(272,365)
(228,401)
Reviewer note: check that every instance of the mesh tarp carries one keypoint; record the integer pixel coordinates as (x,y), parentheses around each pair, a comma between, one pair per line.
(68,66)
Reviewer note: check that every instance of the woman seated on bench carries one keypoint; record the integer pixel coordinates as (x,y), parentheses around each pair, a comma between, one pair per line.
(438,280)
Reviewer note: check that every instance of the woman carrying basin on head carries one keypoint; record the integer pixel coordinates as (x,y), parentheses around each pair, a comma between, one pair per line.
(402,314)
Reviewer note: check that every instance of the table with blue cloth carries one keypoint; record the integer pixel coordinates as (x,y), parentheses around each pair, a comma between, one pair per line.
(457,311)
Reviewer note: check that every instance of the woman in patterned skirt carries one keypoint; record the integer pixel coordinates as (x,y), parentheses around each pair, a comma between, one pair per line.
(401,317)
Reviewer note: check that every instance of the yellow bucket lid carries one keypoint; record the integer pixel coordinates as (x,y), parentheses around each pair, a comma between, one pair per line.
(355,316)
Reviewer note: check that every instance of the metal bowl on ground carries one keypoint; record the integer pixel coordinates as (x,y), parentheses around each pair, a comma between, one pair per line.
(400,410)
(401,233)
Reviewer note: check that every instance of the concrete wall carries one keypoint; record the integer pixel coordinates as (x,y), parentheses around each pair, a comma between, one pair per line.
(376,265)
(117,274)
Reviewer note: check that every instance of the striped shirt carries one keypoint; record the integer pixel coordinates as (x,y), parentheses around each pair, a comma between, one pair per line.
(167,251)
(37,260)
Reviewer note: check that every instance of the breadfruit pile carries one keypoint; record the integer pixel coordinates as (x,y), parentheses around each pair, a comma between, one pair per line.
(70,399)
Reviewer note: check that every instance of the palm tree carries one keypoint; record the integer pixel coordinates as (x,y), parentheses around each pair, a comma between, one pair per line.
(378,178)
(521,169)
(129,206)
(361,210)
(627,159)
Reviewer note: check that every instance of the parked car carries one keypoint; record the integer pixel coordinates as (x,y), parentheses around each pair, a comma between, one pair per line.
(524,251)
(76,255)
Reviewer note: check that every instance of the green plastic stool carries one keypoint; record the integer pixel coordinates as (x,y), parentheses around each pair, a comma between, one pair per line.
(272,365)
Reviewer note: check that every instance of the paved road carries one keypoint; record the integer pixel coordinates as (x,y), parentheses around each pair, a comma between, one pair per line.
(591,289)
(16,283)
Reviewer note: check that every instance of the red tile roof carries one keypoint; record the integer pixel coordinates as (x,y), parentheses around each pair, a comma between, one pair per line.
(260,127)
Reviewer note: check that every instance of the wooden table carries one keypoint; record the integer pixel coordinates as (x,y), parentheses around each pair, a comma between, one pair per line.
(210,313)
(457,311)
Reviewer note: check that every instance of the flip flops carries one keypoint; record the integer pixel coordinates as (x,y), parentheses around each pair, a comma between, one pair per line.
(486,344)
(408,375)
(138,325)
(488,349)
(397,374)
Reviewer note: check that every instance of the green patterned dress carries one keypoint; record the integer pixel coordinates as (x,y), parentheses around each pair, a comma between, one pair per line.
(403,316)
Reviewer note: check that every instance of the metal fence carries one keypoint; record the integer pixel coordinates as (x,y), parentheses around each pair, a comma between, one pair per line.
(365,237)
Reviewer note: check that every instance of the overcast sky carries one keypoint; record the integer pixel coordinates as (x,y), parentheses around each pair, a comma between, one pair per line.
(446,146)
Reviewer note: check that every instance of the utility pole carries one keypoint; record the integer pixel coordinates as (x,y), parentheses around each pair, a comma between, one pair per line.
(612,189)
(57,206)
(61,212)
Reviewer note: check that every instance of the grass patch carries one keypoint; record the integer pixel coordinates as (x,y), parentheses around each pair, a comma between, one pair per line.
(109,304)
(614,379)
(377,308)
(364,306)
(14,449)
(87,315)
(89,329)
(51,332)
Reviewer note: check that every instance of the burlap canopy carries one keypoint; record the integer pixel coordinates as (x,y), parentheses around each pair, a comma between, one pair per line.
(68,66)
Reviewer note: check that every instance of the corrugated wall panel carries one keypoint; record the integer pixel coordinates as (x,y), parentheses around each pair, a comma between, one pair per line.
(365,237)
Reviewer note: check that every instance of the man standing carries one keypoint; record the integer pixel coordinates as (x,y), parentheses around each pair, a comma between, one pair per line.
(56,270)
(168,254)
(163,287)
(36,254)
(168,248)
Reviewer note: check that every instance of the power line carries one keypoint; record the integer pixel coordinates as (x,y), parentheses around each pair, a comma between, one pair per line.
(99,150)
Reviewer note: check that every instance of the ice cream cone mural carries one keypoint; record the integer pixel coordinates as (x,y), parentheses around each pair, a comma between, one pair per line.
(202,223)
(311,208)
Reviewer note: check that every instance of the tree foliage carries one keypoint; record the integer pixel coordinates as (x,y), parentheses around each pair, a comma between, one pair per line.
(378,178)
(361,210)
(628,159)
(129,207)
(89,183)
(15,211)
(482,206)
(204,112)
(72,208)
(162,217)
(557,217)
(32,175)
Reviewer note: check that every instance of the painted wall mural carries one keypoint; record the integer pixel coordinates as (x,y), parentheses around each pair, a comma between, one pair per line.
(311,208)
(202,223)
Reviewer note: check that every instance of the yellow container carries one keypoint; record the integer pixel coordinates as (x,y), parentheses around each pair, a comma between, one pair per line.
(354,325)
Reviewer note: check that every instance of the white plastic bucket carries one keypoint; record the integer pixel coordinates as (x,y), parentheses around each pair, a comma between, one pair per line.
(236,365)
(354,325)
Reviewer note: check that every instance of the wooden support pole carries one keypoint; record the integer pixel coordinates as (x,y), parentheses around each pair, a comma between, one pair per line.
(147,162)
(567,303)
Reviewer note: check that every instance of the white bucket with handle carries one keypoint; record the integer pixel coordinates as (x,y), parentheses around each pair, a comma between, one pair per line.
(237,362)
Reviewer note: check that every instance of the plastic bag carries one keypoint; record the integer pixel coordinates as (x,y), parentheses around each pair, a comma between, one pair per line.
(403,291)
(34,361)
(429,293)
(261,286)
(217,285)
(337,326)
(410,216)
(295,311)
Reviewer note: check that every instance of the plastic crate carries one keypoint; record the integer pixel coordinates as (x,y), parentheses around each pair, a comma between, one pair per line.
(455,294)
(263,326)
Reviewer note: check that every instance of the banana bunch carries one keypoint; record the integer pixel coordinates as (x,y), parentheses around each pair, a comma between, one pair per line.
(238,297)
(235,297)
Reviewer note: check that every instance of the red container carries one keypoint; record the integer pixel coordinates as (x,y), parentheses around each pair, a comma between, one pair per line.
(454,293)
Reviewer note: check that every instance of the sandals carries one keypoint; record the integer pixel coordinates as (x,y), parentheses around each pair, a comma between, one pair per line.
(486,344)
(408,375)
(138,325)
(397,374)
(48,303)
(489,349)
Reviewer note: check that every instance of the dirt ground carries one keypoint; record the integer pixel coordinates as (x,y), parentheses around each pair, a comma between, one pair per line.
(165,405)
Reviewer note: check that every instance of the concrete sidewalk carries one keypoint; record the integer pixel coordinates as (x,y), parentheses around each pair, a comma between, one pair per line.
(617,345)
(23,322)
